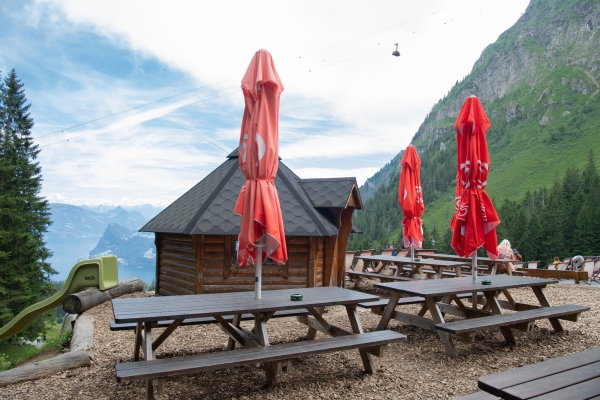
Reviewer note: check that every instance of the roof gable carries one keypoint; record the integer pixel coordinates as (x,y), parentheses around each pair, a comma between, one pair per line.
(207,208)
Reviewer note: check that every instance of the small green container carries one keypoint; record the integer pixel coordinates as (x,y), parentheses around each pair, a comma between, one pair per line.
(417,259)
(296,297)
(486,282)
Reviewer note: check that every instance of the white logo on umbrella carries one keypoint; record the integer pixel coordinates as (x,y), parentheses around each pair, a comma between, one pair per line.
(262,148)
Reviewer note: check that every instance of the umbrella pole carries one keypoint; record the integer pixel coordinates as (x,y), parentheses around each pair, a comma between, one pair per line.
(258,269)
(474,272)
(412,254)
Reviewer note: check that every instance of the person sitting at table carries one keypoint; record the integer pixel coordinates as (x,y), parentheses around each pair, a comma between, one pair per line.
(505,253)
(517,255)
(556,262)
(576,264)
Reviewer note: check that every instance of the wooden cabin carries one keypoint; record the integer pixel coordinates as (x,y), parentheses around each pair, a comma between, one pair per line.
(196,236)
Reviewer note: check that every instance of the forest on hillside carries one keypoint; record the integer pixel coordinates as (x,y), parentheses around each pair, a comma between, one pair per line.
(558,221)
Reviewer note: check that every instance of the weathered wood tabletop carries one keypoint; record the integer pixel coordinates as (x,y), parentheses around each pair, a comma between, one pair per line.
(576,376)
(145,311)
(439,295)
(491,263)
(161,308)
(417,264)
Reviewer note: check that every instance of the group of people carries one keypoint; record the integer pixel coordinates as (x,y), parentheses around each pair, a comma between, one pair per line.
(574,264)
(506,252)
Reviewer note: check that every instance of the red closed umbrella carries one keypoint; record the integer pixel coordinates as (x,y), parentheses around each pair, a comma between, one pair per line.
(410,198)
(474,223)
(258,157)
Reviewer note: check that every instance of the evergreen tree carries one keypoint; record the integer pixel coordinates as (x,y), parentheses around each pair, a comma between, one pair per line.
(24,215)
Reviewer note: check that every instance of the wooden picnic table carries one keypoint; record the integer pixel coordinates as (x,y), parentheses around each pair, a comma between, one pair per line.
(417,264)
(440,294)
(227,310)
(576,376)
(491,263)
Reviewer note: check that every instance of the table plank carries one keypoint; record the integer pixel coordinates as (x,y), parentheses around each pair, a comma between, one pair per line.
(444,287)
(204,305)
(552,383)
(494,383)
(408,260)
(454,257)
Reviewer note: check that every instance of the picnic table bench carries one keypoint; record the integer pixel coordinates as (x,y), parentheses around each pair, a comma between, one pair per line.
(228,310)
(416,264)
(359,275)
(206,320)
(555,273)
(440,294)
(576,376)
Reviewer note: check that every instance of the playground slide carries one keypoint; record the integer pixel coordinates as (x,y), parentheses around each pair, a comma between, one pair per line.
(98,272)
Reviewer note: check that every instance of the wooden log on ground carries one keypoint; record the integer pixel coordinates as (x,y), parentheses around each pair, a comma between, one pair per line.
(83,333)
(77,303)
(41,369)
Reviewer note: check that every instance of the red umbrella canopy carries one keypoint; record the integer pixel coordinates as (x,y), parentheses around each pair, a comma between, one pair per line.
(258,157)
(474,223)
(410,198)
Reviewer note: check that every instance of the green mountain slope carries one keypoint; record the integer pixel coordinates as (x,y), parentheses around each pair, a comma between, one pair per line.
(539,84)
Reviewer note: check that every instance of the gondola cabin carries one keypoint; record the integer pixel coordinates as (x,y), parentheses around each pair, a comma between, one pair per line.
(196,236)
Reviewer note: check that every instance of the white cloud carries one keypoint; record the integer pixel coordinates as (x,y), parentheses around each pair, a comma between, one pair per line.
(345,95)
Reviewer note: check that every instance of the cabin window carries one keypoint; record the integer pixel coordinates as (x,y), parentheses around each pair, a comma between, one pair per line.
(234,262)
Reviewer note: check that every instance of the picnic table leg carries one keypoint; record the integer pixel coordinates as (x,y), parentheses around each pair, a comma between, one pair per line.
(388,311)
(439,319)
(544,302)
(312,332)
(146,342)
(236,322)
(492,301)
(138,341)
(357,328)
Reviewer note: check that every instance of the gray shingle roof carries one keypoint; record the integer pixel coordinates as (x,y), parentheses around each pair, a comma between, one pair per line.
(329,192)
(207,208)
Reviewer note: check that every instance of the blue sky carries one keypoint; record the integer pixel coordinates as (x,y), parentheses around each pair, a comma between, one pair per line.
(348,106)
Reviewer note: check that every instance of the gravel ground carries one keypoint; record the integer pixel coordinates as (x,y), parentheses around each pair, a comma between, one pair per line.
(415,369)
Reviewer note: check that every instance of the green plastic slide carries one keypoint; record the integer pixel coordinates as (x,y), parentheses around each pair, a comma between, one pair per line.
(98,272)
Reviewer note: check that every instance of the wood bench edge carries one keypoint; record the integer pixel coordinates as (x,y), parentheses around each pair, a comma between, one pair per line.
(290,350)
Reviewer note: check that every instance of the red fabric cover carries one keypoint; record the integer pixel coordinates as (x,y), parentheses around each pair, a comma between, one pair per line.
(258,157)
(474,223)
(410,198)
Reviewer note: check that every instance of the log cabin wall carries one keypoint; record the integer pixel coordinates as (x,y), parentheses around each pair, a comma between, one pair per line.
(222,273)
(175,264)
(206,264)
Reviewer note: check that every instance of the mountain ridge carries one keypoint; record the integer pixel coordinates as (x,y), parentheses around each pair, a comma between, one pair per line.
(538,84)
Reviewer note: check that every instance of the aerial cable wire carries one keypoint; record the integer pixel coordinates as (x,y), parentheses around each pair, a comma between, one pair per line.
(237,76)
(226,79)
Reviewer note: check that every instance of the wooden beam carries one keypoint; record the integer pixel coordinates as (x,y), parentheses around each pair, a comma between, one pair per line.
(198,255)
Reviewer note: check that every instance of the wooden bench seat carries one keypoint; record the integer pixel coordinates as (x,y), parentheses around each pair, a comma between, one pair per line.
(575,376)
(429,271)
(478,396)
(358,275)
(557,274)
(159,368)
(381,304)
(207,320)
(567,311)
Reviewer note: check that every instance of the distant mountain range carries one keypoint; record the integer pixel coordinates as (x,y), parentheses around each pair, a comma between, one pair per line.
(80,232)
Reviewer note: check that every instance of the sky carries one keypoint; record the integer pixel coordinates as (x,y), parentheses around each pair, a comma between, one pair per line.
(134,102)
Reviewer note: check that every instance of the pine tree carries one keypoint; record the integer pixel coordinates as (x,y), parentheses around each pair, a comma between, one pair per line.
(24,215)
